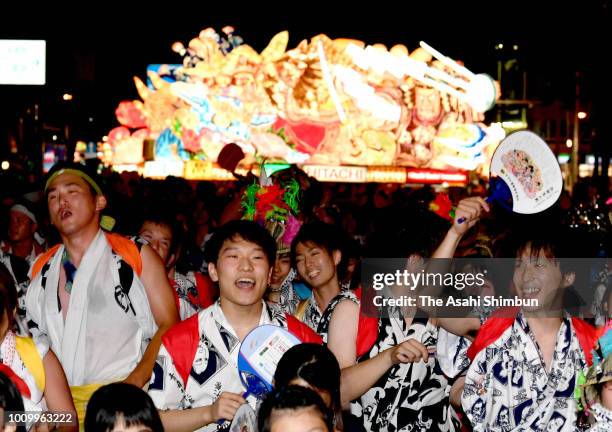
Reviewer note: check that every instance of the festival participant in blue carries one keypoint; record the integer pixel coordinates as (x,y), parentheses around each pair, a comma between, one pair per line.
(525,361)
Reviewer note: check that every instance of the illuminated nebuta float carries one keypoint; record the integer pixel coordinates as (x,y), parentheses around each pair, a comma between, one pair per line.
(324,102)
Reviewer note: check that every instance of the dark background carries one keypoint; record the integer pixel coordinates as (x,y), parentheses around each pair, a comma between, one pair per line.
(95,48)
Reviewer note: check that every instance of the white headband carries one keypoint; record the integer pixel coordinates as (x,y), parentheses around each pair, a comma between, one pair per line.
(22,209)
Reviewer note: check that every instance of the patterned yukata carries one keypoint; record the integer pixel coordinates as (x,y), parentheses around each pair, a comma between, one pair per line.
(508,388)
(451,350)
(289,298)
(319,321)
(603,419)
(409,397)
(188,287)
(214,368)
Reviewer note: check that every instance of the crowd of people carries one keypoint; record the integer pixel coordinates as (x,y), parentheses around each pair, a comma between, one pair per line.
(124,302)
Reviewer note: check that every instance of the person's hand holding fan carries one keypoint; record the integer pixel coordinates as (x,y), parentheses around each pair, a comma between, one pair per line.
(525,176)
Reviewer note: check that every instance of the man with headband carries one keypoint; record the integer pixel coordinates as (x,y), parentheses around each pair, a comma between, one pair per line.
(102,302)
(22,227)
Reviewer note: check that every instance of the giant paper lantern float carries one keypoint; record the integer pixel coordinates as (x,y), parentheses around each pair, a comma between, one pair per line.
(324,103)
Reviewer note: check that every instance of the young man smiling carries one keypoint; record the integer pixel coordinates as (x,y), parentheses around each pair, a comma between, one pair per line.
(525,361)
(196,382)
(317,252)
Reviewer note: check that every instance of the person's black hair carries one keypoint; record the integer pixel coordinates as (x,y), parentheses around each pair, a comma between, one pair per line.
(292,398)
(351,249)
(10,399)
(159,215)
(568,250)
(79,167)
(8,295)
(323,235)
(313,363)
(419,232)
(121,400)
(553,244)
(311,190)
(246,230)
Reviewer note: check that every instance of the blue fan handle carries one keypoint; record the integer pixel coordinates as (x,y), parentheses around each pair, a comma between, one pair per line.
(488,199)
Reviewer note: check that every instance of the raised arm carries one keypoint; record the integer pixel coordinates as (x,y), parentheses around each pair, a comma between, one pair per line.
(470,210)
(160,297)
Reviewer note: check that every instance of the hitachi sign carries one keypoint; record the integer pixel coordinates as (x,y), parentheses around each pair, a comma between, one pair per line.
(337,173)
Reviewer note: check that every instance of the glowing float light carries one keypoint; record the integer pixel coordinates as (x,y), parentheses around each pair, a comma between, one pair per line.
(432,176)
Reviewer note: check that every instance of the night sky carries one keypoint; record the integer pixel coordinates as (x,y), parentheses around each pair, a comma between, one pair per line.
(93,51)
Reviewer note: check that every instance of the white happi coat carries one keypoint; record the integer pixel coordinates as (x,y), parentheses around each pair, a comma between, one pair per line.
(215,366)
(109,320)
(508,388)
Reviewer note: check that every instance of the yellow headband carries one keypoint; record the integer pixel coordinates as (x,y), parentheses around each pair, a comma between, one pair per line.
(106,222)
(77,172)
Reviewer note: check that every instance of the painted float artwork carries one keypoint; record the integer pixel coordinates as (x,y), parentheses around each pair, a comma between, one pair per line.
(323,103)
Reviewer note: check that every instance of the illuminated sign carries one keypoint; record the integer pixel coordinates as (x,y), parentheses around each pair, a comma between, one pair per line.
(432,176)
(346,174)
(22,61)
(352,174)
(203,170)
(386,175)
(162,169)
